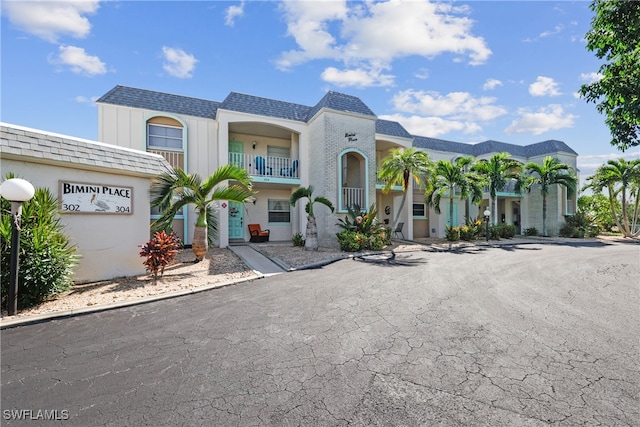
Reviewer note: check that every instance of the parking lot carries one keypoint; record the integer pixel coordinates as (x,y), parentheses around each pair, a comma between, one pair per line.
(522,335)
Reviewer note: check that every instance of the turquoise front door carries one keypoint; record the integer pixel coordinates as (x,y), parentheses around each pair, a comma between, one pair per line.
(236,220)
(453,223)
(236,153)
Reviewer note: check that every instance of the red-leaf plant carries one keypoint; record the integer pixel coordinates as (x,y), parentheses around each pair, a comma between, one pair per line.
(160,251)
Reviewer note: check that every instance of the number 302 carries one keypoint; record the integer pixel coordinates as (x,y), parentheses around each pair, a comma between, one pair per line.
(73,208)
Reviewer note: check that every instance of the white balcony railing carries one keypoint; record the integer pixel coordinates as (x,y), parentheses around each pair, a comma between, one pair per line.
(352,196)
(280,167)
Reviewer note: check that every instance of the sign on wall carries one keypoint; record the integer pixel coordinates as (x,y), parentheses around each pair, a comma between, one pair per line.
(78,197)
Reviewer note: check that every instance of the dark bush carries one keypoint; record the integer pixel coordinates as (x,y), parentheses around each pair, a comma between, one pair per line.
(298,239)
(46,257)
(531,231)
(361,230)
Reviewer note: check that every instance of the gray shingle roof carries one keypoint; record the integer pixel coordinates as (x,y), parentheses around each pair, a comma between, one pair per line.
(160,101)
(341,102)
(265,107)
(147,99)
(387,127)
(549,146)
(40,146)
(491,146)
(442,145)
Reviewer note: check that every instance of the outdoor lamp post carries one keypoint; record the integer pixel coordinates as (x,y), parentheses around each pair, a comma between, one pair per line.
(487,214)
(17,191)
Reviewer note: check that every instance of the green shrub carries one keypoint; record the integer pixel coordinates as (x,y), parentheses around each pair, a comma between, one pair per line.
(580,225)
(495,231)
(361,230)
(568,230)
(531,231)
(377,242)
(351,241)
(46,257)
(160,251)
(298,239)
(452,233)
(507,231)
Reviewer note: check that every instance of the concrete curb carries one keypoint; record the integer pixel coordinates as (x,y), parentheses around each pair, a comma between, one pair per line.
(25,320)
(20,321)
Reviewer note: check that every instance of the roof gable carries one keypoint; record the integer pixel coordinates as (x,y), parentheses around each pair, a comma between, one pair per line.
(341,102)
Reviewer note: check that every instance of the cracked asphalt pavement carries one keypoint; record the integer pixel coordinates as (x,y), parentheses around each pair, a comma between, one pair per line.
(529,335)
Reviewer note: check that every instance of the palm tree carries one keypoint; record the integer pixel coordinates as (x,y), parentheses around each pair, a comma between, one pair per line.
(621,178)
(402,166)
(551,172)
(173,190)
(311,235)
(448,176)
(498,170)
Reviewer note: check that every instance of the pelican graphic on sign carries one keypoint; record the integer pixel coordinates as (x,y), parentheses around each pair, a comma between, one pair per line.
(102,206)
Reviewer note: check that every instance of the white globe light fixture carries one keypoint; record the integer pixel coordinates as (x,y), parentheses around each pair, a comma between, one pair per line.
(487,215)
(17,191)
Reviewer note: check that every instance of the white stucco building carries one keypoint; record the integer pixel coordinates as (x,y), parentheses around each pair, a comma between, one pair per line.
(335,145)
(103,193)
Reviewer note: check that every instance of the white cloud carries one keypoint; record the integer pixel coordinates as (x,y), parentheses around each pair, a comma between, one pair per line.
(556,30)
(456,105)
(433,114)
(545,119)
(51,19)
(544,86)
(432,126)
(79,61)
(80,99)
(587,164)
(356,77)
(232,13)
(422,74)
(178,62)
(591,77)
(491,84)
(361,35)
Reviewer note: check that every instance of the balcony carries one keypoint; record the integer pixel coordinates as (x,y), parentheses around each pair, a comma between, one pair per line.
(267,168)
(352,196)
(508,190)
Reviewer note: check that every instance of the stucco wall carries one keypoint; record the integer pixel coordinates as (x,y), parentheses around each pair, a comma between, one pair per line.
(107,243)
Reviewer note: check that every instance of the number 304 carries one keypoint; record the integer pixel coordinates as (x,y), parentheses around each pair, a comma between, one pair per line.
(122,208)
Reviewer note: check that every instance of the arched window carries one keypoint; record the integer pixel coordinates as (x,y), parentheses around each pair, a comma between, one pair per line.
(166,136)
(353,180)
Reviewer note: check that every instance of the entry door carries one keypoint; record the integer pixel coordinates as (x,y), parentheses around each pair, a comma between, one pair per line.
(453,223)
(236,220)
(236,151)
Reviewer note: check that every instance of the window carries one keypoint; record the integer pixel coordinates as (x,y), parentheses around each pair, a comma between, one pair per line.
(164,137)
(282,152)
(279,211)
(419,210)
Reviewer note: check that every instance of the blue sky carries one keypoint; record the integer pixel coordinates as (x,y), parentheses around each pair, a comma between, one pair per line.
(463,71)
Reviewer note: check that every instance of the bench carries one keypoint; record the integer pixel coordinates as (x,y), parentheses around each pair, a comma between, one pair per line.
(258,234)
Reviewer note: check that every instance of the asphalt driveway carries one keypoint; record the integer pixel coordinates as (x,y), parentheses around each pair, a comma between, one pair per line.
(515,336)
